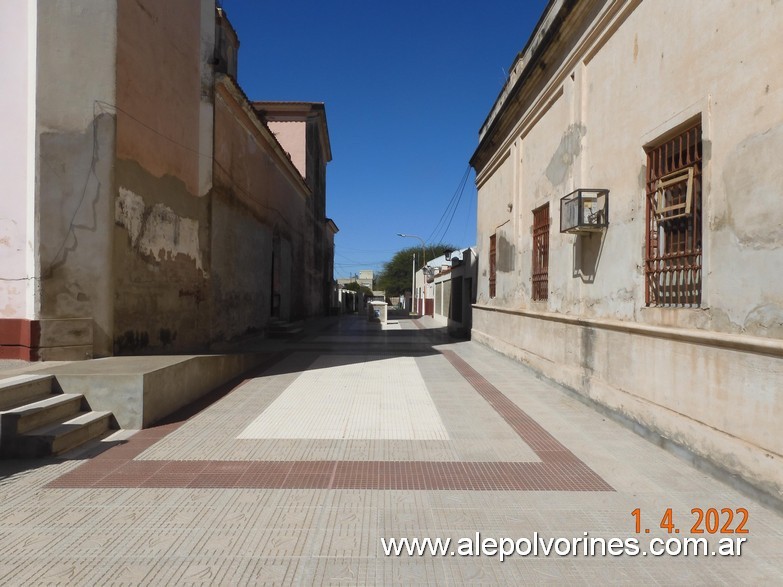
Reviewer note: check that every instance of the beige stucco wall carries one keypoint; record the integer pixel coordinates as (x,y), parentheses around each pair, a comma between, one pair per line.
(591,133)
(636,72)
(18,268)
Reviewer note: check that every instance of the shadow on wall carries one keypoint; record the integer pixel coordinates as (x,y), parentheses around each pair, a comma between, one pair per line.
(587,255)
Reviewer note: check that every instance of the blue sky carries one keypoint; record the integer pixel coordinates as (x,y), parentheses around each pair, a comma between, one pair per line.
(407,86)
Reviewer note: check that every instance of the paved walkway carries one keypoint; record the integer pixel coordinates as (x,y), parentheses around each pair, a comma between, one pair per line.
(351,435)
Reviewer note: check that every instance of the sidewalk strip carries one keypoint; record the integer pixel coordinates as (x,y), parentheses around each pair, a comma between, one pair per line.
(559,469)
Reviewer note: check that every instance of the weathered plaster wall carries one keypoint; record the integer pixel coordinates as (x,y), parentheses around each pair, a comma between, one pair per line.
(18,269)
(163,260)
(76,52)
(242,262)
(161,214)
(256,181)
(590,132)
(495,212)
(159,85)
(739,95)
(723,402)
(611,91)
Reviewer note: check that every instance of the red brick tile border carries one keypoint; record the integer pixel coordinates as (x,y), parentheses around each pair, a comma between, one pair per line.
(559,469)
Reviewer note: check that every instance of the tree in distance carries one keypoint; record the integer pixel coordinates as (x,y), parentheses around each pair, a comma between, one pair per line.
(396,276)
(363,289)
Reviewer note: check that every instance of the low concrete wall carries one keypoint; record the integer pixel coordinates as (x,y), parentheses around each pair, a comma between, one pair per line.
(718,396)
(142,390)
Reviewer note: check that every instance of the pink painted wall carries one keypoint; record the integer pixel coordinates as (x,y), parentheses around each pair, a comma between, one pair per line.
(293,138)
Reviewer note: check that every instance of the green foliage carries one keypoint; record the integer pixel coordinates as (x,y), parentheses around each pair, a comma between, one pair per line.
(396,276)
(354,286)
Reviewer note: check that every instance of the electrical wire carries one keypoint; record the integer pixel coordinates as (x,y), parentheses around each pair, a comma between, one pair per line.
(451,206)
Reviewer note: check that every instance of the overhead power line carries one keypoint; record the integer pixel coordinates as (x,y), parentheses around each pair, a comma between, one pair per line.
(443,225)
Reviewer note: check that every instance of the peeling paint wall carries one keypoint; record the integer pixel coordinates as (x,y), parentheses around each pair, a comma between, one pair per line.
(163,176)
(76,144)
(157,231)
(113,239)
(162,246)
(604,89)
(589,130)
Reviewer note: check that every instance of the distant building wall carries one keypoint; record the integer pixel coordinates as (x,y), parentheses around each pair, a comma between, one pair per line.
(292,135)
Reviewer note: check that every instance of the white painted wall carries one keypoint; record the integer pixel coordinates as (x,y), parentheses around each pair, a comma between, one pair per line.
(17,162)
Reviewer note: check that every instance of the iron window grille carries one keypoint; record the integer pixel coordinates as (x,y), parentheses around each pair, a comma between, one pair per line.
(673,248)
(541,253)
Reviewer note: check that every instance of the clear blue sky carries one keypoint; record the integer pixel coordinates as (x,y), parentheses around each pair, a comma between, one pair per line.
(406,85)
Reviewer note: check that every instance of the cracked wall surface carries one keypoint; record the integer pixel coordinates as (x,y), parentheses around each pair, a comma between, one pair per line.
(76,144)
(631,76)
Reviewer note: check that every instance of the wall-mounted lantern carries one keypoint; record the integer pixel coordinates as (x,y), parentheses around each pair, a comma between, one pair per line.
(584,210)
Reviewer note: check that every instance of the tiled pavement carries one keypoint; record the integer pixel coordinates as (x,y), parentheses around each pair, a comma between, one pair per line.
(353,434)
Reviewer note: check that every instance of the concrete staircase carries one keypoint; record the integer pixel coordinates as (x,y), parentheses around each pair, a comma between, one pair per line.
(277,328)
(38,420)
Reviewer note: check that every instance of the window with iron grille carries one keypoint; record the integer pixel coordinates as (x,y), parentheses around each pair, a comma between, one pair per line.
(541,253)
(492,267)
(674,237)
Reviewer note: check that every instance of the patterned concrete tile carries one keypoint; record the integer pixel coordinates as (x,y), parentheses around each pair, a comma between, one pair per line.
(189,503)
(381,398)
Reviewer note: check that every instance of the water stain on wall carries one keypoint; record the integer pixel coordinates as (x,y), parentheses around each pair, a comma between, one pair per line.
(567,151)
(506,252)
(753,178)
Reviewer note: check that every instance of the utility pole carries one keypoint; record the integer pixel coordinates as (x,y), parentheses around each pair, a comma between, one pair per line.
(413,285)
(423,265)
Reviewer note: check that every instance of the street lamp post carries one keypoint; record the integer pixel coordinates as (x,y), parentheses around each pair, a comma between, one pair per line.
(423,264)
(413,285)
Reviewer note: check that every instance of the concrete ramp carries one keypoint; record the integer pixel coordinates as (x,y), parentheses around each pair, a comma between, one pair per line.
(139,391)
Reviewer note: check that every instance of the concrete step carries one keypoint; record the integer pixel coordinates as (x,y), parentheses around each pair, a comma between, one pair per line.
(59,437)
(23,389)
(37,414)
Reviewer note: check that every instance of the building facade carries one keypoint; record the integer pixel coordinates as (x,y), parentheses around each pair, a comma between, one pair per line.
(365,278)
(150,206)
(450,288)
(629,220)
